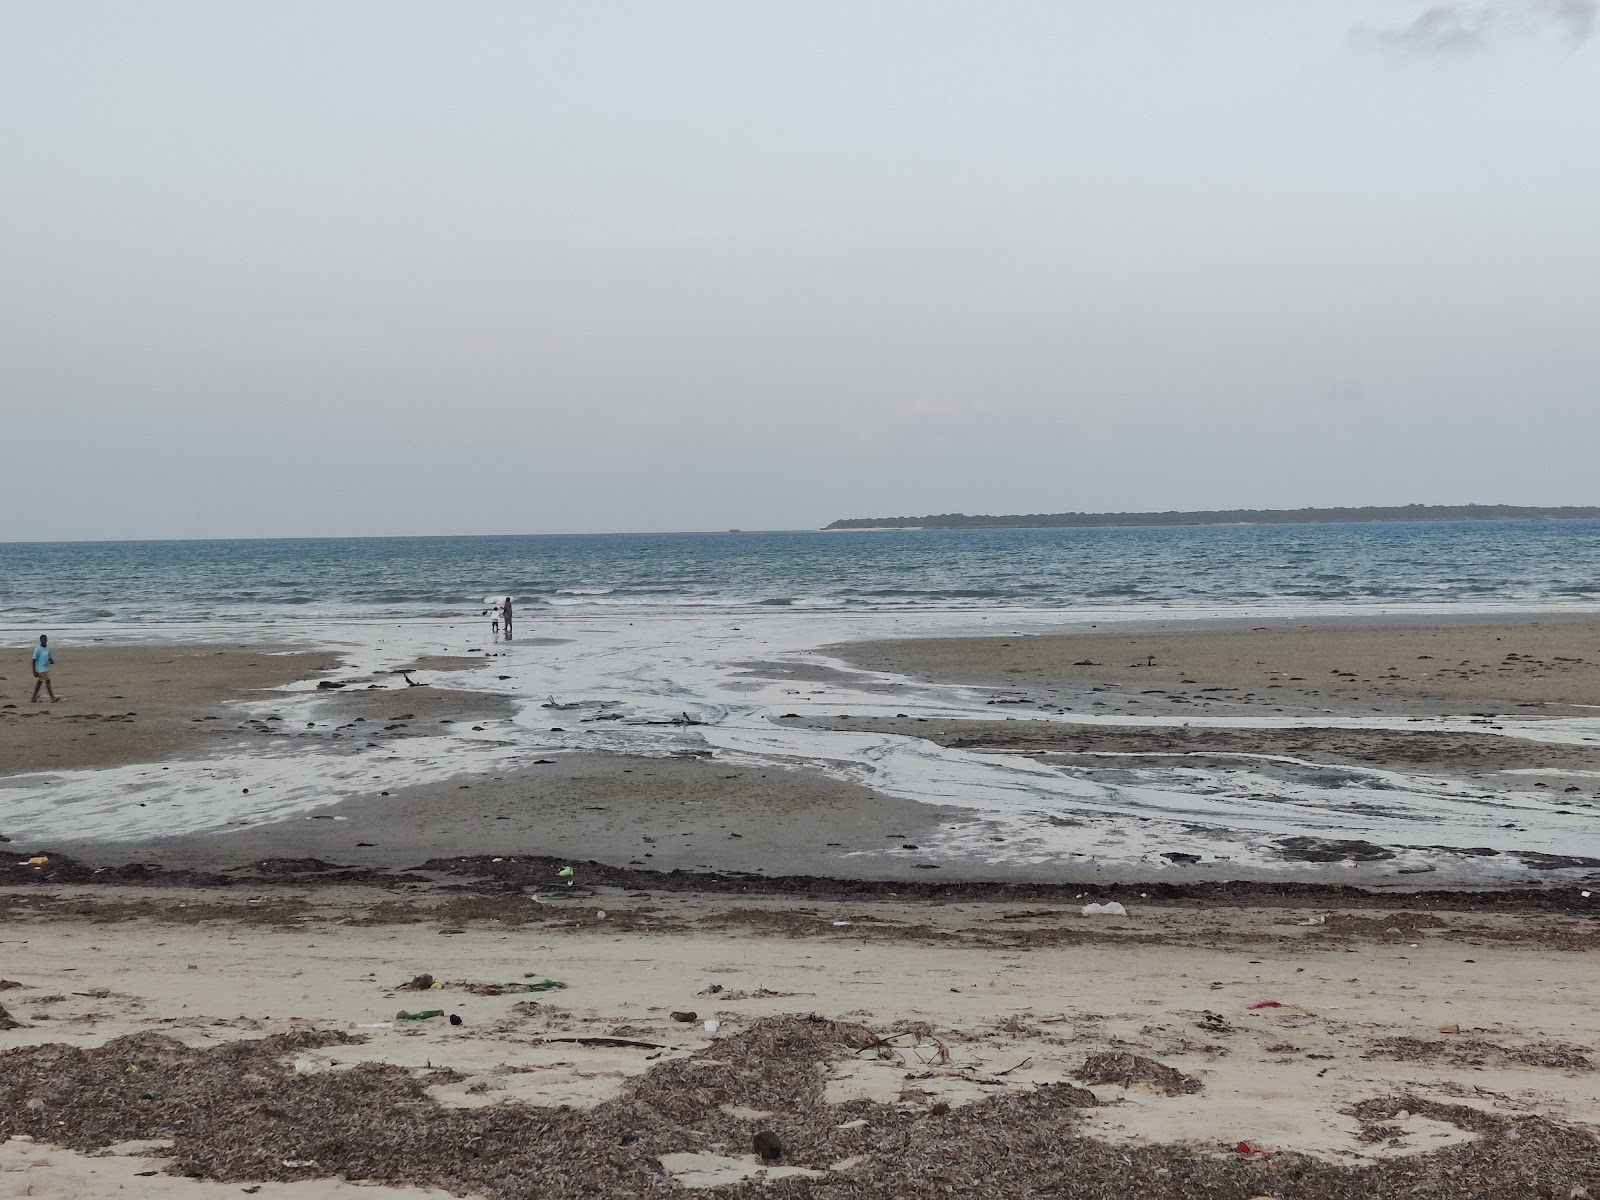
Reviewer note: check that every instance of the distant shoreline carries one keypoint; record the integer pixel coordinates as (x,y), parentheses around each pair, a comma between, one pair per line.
(1236,516)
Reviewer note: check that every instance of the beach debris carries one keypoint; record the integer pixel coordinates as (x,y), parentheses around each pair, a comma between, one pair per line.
(1450,1029)
(38,860)
(501,989)
(715,989)
(455,1018)
(419,983)
(1247,1148)
(376,1025)
(767,1145)
(686,1017)
(604,1041)
(1314,919)
(425,1014)
(544,985)
(1109,909)
(601,913)
(712,1026)
(1266,1004)
(1180,857)
(1130,1070)
(328,685)
(7,1021)
(565,873)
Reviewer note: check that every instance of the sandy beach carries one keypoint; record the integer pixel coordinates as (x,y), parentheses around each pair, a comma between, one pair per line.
(891,1047)
(898,1030)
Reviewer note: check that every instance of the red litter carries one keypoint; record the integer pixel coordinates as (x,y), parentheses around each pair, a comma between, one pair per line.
(1267,1004)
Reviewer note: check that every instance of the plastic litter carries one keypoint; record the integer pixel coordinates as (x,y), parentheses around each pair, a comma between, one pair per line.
(713,1026)
(601,913)
(38,860)
(423,1015)
(1111,909)
(544,985)
(376,1025)
(1267,1004)
(686,1017)
(565,873)
(1317,919)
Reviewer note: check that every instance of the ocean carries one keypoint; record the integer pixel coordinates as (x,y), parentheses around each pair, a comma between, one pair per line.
(1476,564)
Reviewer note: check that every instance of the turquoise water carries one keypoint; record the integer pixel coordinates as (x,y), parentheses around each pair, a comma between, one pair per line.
(1212,566)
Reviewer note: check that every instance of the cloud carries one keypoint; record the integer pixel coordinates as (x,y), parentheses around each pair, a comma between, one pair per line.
(1466,25)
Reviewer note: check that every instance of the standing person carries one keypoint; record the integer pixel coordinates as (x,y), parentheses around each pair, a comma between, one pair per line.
(41,670)
(505,615)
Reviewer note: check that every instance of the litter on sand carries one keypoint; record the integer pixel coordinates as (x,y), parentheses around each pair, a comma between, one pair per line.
(1110,909)
(1267,1004)
(544,985)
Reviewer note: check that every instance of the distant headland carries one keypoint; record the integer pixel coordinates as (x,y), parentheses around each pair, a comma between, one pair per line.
(1230,516)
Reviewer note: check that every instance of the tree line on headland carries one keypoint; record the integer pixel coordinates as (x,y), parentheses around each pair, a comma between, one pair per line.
(1231,516)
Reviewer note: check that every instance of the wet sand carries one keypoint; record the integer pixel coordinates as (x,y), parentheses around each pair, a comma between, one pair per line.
(1545,666)
(697,813)
(131,704)
(659,813)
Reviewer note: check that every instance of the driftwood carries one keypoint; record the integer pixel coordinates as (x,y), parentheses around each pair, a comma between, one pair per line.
(605,1041)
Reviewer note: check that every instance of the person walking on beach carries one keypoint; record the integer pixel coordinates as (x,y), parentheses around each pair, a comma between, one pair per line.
(505,616)
(41,670)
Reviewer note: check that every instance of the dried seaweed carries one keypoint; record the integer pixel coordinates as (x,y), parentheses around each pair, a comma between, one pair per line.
(1134,1070)
(237,1112)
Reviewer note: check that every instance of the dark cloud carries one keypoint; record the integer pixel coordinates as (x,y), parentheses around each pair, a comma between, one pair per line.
(1468,25)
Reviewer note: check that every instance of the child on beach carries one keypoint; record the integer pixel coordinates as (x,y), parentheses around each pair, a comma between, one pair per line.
(493,613)
(41,670)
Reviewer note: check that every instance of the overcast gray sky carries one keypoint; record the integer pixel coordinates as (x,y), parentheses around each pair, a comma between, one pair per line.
(400,267)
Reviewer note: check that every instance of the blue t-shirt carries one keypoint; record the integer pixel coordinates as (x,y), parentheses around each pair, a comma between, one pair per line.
(41,659)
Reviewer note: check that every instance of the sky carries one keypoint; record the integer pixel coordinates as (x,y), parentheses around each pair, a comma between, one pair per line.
(344,267)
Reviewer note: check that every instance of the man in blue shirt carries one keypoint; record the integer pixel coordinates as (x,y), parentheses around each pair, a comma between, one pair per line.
(41,670)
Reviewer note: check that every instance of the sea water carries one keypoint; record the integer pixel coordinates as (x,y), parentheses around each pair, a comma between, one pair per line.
(1555,562)
(656,627)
